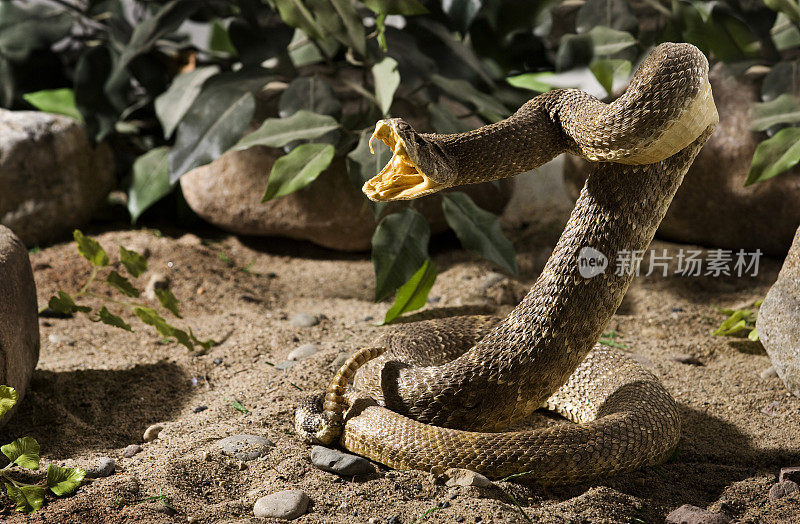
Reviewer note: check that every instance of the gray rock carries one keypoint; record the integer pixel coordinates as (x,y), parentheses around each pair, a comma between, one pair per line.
(688,514)
(157,281)
(286,505)
(51,178)
(335,461)
(19,324)
(303,352)
(60,340)
(778,321)
(791,473)
(151,433)
(465,477)
(286,364)
(245,447)
(304,320)
(685,358)
(105,467)
(782,489)
(769,373)
(131,450)
(339,361)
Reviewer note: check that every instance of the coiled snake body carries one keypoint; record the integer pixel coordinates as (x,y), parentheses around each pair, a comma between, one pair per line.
(438,394)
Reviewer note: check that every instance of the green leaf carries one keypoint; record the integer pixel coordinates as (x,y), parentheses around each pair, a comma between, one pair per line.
(173,104)
(387,80)
(57,101)
(297,169)
(110,319)
(150,181)
(780,79)
(607,41)
(790,8)
(90,249)
(396,7)
(277,132)
(116,280)
(340,19)
(8,397)
(65,305)
(92,69)
(444,121)
(775,155)
(26,28)
(615,14)
(63,481)
(362,165)
(478,230)
(486,105)
(219,40)
(783,110)
(413,294)
(27,499)
(399,248)
(135,263)
(295,14)
(533,81)
(753,335)
(150,317)
(309,93)
(238,406)
(23,452)
(462,12)
(608,70)
(168,301)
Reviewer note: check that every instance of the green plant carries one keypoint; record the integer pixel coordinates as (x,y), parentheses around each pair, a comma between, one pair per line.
(135,264)
(739,321)
(24,453)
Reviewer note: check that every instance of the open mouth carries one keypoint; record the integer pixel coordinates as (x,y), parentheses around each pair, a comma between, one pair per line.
(400,179)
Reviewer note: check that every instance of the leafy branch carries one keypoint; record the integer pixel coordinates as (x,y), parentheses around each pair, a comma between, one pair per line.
(135,265)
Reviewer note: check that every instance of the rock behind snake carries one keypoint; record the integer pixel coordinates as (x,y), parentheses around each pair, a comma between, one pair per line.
(445,389)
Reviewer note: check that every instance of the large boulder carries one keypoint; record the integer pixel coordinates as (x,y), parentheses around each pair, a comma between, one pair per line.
(712,207)
(51,177)
(330,212)
(778,321)
(19,324)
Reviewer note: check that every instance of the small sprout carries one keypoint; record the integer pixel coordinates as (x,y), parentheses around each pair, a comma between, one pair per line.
(608,340)
(238,406)
(739,321)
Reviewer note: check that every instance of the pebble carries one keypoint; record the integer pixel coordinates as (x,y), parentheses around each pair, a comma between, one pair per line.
(782,489)
(374,520)
(465,477)
(335,461)
(790,473)
(688,514)
(131,450)
(105,467)
(286,364)
(217,361)
(60,339)
(303,352)
(198,409)
(287,505)
(151,433)
(769,373)
(394,519)
(685,358)
(304,320)
(157,281)
(339,361)
(245,447)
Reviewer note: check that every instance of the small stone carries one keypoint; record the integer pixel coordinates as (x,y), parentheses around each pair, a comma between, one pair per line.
(287,505)
(452,496)
(192,520)
(303,352)
(151,433)
(131,450)
(688,514)
(368,318)
(245,447)
(465,477)
(685,358)
(189,239)
(104,468)
(394,519)
(335,461)
(444,504)
(373,520)
(339,361)
(286,364)
(769,373)
(791,473)
(157,281)
(782,489)
(199,409)
(772,408)
(304,320)
(217,361)
(676,309)
(60,340)
(459,519)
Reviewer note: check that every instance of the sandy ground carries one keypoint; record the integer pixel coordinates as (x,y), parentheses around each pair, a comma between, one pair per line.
(97,389)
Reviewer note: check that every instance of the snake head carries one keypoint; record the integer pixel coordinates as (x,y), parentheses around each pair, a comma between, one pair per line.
(314,424)
(417,168)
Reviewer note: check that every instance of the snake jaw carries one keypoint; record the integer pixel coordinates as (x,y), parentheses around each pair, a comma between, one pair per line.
(402,178)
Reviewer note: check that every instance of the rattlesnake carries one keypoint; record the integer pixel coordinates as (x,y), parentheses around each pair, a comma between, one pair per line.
(438,394)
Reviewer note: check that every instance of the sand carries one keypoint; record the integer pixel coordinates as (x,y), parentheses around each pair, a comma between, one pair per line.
(97,389)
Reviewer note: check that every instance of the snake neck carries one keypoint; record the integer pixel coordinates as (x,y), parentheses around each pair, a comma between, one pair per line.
(563,315)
